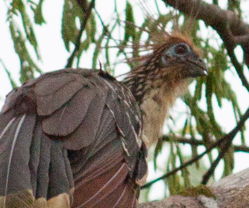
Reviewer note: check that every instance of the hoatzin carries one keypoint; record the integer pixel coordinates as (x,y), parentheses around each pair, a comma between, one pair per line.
(78,138)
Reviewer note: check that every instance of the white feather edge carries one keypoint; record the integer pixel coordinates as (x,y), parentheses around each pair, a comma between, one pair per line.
(7,127)
(11,151)
(97,194)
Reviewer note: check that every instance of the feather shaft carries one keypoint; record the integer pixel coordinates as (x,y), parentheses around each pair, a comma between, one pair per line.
(11,154)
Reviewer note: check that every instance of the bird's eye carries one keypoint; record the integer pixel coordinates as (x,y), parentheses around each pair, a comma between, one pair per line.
(181,49)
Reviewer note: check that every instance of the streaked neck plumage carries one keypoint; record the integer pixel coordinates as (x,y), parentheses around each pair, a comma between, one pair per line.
(155,94)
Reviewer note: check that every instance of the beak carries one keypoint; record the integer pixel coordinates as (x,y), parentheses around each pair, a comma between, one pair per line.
(197,68)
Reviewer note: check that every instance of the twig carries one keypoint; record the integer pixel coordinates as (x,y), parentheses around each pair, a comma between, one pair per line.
(82,28)
(237,65)
(196,142)
(108,33)
(189,162)
(103,24)
(229,137)
(228,141)
(211,170)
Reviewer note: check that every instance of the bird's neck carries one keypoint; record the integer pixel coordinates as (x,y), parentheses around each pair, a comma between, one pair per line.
(155,98)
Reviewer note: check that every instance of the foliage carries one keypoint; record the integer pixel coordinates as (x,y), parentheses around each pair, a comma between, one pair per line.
(122,39)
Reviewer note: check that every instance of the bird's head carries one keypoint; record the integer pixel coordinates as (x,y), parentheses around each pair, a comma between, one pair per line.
(174,57)
(180,58)
(173,60)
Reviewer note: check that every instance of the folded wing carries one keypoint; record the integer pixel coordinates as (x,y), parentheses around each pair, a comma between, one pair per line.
(70,138)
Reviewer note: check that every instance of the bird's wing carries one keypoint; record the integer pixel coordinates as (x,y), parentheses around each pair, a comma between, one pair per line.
(70,138)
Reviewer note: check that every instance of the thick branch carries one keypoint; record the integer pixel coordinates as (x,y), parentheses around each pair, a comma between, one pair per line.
(228,25)
(242,39)
(231,191)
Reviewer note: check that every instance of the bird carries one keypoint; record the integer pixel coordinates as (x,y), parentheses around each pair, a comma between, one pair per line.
(79,137)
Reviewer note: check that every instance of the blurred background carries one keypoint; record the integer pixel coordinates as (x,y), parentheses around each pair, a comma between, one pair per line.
(40,36)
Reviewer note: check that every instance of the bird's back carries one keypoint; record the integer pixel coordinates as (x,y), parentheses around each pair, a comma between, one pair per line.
(71,138)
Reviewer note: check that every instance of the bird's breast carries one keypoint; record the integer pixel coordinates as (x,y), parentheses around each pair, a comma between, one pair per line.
(154,108)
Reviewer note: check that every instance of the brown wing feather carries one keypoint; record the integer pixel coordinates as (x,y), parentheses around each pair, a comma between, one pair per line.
(86,132)
(86,129)
(66,119)
(47,104)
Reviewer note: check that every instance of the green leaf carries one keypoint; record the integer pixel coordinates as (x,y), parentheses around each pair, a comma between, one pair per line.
(69,29)
(130,30)
(28,66)
(12,82)
(38,16)
(18,6)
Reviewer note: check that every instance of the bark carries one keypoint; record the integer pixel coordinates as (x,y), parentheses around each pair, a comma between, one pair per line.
(229,192)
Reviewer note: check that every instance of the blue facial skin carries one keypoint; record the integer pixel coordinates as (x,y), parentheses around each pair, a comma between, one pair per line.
(182,53)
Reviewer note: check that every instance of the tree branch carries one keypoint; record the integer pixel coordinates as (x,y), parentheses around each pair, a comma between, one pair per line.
(242,39)
(223,141)
(228,25)
(231,191)
(197,142)
(82,28)
(228,141)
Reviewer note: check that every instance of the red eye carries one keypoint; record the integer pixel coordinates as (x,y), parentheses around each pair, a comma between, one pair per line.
(181,49)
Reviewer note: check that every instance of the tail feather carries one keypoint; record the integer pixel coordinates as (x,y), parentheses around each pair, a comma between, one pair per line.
(109,189)
(113,199)
(68,170)
(122,197)
(22,199)
(5,118)
(42,178)
(14,154)
(34,170)
(58,178)
(35,156)
(6,128)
